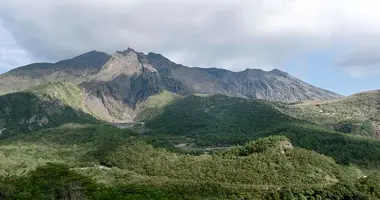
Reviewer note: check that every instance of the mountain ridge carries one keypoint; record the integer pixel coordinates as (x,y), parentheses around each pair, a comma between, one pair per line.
(125,79)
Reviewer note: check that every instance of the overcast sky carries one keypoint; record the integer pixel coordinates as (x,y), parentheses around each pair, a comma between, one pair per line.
(334,44)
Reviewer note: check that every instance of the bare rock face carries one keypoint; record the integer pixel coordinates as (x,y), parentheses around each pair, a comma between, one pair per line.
(285,146)
(123,63)
(272,85)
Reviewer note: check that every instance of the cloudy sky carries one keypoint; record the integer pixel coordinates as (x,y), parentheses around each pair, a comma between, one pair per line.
(331,44)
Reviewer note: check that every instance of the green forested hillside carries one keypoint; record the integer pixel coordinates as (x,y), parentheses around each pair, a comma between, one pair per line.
(271,155)
(109,163)
(55,181)
(222,120)
(25,111)
(358,114)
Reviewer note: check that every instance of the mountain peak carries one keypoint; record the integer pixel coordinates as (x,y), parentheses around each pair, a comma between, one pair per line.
(127,62)
(127,51)
(278,72)
(260,71)
(253,70)
(91,55)
(274,85)
(157,57)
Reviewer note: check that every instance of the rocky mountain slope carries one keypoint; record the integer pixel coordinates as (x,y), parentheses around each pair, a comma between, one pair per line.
(114,86)
(75,70)
(272,85)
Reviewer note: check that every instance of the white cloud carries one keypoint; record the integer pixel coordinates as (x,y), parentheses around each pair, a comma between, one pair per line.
(362,71)
(223,33)
(11,54)
(362,60)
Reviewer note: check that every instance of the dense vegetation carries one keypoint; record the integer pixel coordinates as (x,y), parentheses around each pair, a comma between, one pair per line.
(24,111)
(276,157)
(218,119)
(358,114)
(345,149)
(127,150)
(55,181)
(269,168)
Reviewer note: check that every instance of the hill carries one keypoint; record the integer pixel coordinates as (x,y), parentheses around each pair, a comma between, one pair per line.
(221,119)
(224,121)
(154,105)
(130,167)
(46,106)
(358,114)
(68,93)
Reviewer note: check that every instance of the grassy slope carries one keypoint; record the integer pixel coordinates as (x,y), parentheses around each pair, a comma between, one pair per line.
(71,95)
(358,114)
(73,144)
(220,120)
(46,106)
(68,93)
(154,105)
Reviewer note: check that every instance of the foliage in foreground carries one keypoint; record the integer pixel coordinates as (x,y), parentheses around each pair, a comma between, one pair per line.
(112,147)
(55,181)
(268,168)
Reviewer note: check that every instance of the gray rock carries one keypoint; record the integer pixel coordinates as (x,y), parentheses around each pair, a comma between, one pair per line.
(274,85)
(115,85)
